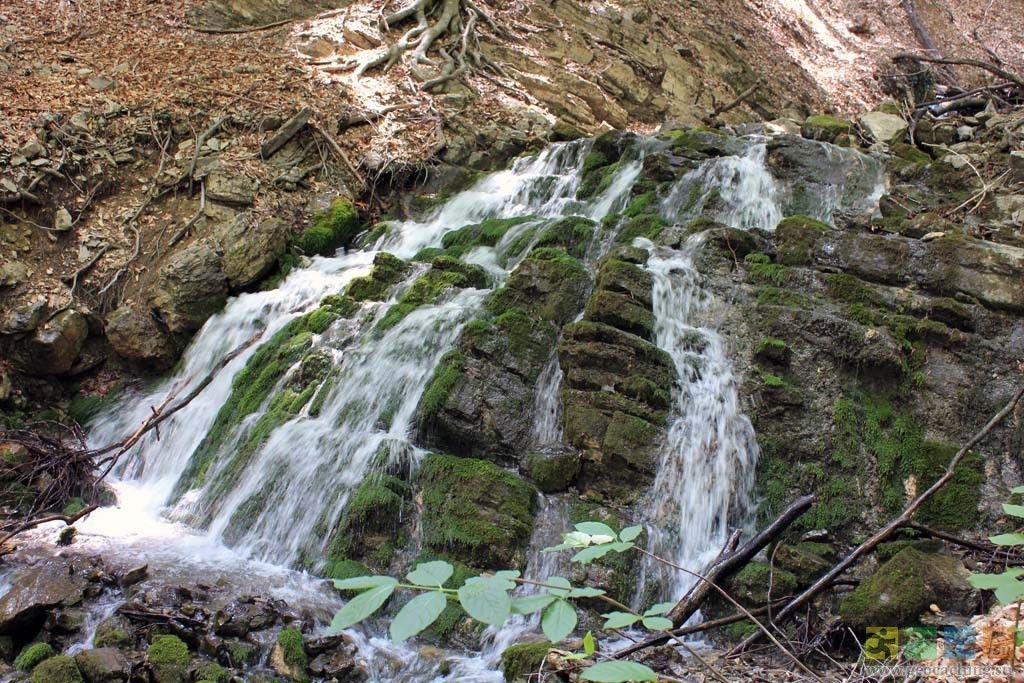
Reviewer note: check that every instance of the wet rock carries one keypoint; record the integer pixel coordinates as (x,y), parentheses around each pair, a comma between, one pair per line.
(824,128)
(102,665)
(190,288)
(883,127)
(244,615)
(335,657)
(37,590)
(24,318)
(136,337)
(905,586)
(230,188)
(13,273)
(54,346)
(289,658)
(251,251)
(133,576)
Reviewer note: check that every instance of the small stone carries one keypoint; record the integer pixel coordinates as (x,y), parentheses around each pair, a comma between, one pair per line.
(134,576)
(24,318)
(1017,166)
(62,220)
(884,128)
(38,163)
(6,389)
(230,188)
(932,236)
(101,83)
(214,144)
(31,150)
(964,133)
(84,72)
(82,119)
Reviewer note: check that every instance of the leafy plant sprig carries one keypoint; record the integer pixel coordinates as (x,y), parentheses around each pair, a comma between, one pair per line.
(488,599)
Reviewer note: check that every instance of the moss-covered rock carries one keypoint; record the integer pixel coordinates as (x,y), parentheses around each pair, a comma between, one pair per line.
(905,586)
(772,351)
(519,661)
(574,234)
(445,274)
(796,237)
(289,658)
(549,283)
(369,524)
(475,511)
(553,470)
(59,669)
(168,659)
(388,270)
(825,128)
(805,561)
(108,665)
(486,234)
(212,673)
(757,581)
(32,654)
(335,228)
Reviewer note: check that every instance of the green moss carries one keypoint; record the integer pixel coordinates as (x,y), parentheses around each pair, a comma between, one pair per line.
(169,657)
(849,289)
(752,584)
(796,237)
(955,506)
(474,509)
(825,128)
(596,176)
(760,267)
(387,270)
(772,350)
(775,296)
(345,569)
(335,228)
(375,508)
(773,381)
(114,637)
(212,672)
(549,283)
(445,378)
(646,225)
(445,274)
(524,659)
(574,234)
(83,409)
(290,641)
(486,234)
(32,654)
(899,591)
(73,506)
(59,669)
(739,630)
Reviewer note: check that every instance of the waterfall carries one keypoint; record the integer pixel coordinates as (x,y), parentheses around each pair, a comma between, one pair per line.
(547,411)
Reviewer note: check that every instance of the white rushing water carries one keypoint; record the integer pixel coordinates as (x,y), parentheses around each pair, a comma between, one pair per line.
(298,480)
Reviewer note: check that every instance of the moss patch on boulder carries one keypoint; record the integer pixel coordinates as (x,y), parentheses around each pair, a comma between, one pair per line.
(522,660)
(475,510)
(549,283)
(335,228)
(59,669)
(32,654)
(796,237)
(825,128)
(388,270)
(169,659)
(446,273)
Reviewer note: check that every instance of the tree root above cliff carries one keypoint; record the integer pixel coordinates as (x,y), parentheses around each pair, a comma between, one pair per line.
(453,35)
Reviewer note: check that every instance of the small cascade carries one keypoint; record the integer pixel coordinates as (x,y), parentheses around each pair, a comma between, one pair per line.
(547,412)
(707,466)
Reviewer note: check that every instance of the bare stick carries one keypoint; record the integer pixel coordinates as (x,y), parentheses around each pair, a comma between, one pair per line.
(253,29)
(867,546)
(1002,73)
(286,132)
(32,523)
(722,108)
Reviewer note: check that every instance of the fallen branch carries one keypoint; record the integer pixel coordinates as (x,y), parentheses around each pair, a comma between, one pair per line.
(252,29)
(1002,73)
(721,109)
(730,562)
(31,524)
(867,546)
(338,151)
(286,132)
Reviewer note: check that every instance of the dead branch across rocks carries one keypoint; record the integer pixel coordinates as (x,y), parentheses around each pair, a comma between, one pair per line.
(885,532)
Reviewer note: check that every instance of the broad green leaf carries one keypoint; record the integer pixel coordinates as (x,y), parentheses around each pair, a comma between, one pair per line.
(588,555)
(618,672)
(563,585)
(585,592)
(1007,539)
(621,547)
(485,601)
(620,619)
(507,574)
(528,604)
(596,529)
(362,606)
(577,538)
(589,646)
(558,621)
(1015,510)
(630,533)
(431,573)
(417,614)
(657,623)
(560,546)
(502,579)
(1007,587)
(660,608)
(1017,489)
(358,583)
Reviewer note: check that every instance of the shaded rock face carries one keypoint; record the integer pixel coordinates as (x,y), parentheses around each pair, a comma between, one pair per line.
(53,347)
(135,336)
(36,591)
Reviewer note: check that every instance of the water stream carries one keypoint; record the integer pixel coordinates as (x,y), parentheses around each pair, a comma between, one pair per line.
(299,479)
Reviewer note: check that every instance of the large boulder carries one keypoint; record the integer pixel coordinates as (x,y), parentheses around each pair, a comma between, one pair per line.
(190,287)
(135,336)
(883,127)
(35,591)
(54,346)
(250,251)
(102,665)
(906,586)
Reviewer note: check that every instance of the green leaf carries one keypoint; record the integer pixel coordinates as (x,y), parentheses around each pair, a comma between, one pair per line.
(621,547)
(1007,587)
(620,619)
(362,606)
(558,621)
(589,646)
(630,533)
(529,604)
(657,623)
(588,555)
(660,608)
(359,583)
(1007,539)
(563,586)
(417,614)
(585,592)
(431,573)
(485,601)
(1015,510)
(507,574)
(596,529)
(618,672)
(1017,489)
